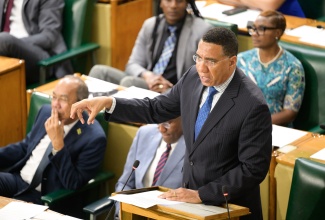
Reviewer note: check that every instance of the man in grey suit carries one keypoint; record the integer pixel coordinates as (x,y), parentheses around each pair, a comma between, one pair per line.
(32,32)
(149,154)
(231,148)
(149,47)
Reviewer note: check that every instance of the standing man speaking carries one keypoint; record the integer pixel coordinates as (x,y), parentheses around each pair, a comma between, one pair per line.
(226,125)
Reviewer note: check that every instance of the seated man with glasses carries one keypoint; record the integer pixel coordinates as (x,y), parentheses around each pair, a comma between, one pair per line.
(160,151)
(276,71)
(58,152)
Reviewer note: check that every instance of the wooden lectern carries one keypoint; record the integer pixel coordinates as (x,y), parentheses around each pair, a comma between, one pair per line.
(182,211)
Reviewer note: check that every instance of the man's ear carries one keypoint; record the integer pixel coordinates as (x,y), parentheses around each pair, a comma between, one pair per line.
(233,61)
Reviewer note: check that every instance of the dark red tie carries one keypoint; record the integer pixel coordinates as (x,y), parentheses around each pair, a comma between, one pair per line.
(6,26)
(161,164)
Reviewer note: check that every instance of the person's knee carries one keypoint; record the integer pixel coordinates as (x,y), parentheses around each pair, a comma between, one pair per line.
(7,42)
(127,81)
(106,73)
(97,72)
(134,81)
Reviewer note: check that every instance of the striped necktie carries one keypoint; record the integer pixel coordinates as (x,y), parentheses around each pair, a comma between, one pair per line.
(6,26)
(161,164)
(204,111)
(167,51)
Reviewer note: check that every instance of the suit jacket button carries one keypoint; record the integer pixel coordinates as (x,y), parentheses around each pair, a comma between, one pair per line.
(191,163)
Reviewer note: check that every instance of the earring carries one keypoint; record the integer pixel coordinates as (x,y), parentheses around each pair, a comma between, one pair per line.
(276,38)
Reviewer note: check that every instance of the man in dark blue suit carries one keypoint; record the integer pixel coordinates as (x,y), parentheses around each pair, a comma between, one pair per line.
(75,151)
(226,125)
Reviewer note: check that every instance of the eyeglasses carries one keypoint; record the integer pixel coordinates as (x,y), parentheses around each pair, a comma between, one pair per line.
(165,125)
(61,99)
(259,30)
(207,62)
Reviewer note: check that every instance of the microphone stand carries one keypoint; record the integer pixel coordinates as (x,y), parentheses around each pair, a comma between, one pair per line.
(225,194)
(135,166)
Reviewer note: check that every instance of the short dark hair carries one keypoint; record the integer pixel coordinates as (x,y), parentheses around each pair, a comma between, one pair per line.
(82,90)
(277,19)
(225,38)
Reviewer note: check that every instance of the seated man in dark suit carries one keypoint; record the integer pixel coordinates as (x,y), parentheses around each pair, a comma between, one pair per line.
(58,152)
(31,31)
(158,60)
(165,141)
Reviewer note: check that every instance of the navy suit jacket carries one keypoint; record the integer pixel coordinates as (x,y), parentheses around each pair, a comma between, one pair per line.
(234,146)
(73,166)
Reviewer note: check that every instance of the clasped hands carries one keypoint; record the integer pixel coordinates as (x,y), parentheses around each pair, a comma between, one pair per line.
(156,83)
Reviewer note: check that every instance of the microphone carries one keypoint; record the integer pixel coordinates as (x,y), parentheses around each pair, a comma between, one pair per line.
(225,194)
(134,167)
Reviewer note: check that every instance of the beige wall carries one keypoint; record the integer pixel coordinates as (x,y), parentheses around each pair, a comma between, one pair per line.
(120,137)
(283,175)
(244,42)
(101,33)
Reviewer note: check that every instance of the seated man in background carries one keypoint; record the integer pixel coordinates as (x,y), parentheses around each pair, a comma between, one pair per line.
(276,71)
(58,152)
(163,50)
(150,146)
(31,31)
(287,7)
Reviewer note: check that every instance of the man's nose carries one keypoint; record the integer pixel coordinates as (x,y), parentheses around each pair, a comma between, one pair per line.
(162,129)
(201,66)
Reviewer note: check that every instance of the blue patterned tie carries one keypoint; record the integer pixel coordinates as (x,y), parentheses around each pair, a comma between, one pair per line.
(204,111)
(167,52)
(161,164)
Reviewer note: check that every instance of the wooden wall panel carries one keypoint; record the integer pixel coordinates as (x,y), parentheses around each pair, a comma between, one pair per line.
(126,22)
(13,100)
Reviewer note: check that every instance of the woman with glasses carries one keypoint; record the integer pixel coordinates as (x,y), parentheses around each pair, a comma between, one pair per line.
(276,71)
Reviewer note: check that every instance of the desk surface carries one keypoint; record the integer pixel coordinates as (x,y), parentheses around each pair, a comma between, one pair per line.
(5,201)
(292,22)
(8,64)
(306,146)
(190,211)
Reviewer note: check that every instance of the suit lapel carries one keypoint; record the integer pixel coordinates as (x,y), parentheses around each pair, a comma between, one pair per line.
(77,131)
(40,135)
(182,45)
(224,104)
(159,33)
(146,161)
(2,17)
(195,101)
(172,162)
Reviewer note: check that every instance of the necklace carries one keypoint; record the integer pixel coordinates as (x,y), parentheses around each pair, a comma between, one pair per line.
(271,61)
